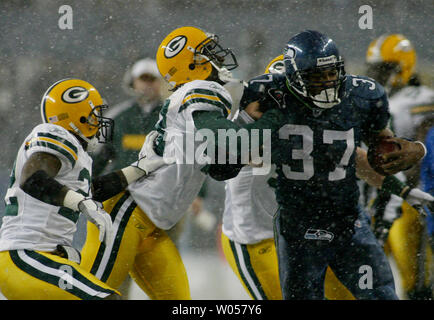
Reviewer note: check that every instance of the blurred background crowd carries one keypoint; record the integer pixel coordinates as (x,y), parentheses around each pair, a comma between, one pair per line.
(107,37)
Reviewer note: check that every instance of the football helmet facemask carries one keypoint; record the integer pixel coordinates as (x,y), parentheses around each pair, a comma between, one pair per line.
(391,60)
(189,53)
(314,68)
(78,107)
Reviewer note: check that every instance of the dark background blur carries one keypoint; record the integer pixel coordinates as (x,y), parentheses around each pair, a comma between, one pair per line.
(108,36)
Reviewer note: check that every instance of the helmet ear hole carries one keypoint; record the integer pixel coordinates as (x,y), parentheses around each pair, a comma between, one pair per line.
(83,119)
(191,66)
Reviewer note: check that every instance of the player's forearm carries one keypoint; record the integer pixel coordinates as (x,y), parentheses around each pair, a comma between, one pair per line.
(365,172)
(390,184)
(214,121)
(40,185)
(38,178)
(106,186)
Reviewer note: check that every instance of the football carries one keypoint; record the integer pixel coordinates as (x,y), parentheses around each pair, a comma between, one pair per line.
(376,152)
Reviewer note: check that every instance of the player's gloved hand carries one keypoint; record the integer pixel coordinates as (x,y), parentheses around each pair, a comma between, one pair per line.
(94,213)
(273,98)
(148,161)
(417,197)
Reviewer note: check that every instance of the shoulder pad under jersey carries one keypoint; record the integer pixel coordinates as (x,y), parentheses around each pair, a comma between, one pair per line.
(363,87)
(56,140)
(207,92)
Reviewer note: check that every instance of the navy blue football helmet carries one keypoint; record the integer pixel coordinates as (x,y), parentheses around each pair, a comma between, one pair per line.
(314,68)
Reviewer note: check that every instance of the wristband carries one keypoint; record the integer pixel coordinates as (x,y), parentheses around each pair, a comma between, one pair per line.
(133,173)
(245,117)
(72,199)
(393,185)
(419,142)
(424,148)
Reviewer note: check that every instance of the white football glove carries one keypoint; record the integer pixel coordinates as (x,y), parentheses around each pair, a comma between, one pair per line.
(94,213)
(149,161)
(417,198)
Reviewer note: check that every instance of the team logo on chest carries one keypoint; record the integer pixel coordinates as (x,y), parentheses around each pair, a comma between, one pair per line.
(175,46)
(318,234)
(75,94)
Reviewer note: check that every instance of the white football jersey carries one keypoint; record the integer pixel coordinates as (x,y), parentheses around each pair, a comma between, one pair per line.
(29,223)
(166,194)
(409,107)
(250,202)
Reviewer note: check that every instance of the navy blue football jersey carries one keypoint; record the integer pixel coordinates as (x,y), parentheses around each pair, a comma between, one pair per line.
(315,150)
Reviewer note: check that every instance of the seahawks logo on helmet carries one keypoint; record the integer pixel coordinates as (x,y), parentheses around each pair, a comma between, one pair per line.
(175,46)
(75,94)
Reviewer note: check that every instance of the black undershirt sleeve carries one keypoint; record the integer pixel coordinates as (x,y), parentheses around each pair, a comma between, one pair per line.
(214,120)
(44,188)
(109,185)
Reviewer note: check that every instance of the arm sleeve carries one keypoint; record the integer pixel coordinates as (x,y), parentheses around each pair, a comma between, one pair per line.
(378,112)
(215,121)
(109,185)
(271,120)
(101,159)
(44,188)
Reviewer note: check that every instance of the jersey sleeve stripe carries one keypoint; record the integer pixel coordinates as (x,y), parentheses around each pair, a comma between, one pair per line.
(207,101)
(196,95)
(51,144)
(61,140)
(211,93)
(60,144)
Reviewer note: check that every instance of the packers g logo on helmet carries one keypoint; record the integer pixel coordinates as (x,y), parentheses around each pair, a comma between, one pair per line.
(175,46)
(75,94)
(77,106)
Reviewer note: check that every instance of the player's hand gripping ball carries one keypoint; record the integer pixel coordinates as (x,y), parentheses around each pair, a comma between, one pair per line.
(377,150)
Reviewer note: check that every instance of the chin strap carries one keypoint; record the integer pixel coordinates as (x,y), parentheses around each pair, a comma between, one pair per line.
(79,133)
(225,75)
(92,143)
